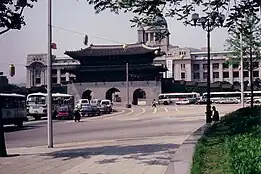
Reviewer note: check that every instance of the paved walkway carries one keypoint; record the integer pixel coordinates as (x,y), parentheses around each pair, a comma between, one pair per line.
(130,156)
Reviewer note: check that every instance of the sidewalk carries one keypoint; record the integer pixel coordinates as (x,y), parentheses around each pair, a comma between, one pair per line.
(149,155)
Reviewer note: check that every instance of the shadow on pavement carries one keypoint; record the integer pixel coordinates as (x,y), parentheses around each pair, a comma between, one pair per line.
(15,128)
(150,154)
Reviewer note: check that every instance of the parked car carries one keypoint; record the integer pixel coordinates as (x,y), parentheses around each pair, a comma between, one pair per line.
(81,103)
(228,101)
(90,110)
(183,102)
(105,106)
(64,113)
(202,101)
(95,102)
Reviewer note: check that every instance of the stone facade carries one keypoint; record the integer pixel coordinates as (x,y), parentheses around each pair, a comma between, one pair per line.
(151,88)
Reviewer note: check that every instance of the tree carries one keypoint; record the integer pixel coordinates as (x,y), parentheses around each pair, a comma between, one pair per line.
(145,10)
(11,14)
(249,28)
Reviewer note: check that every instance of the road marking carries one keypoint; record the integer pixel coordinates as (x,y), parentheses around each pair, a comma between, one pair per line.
(142,112)
(155,110)
(166,110)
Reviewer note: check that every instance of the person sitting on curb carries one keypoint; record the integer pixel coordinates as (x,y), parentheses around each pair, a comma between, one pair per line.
(215,114)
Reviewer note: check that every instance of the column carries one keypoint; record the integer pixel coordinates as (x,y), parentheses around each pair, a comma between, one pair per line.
(58,76)
(67,77)
(28,78)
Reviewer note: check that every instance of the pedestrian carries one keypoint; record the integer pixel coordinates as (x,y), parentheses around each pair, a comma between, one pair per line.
(215,114)
(77,116)
(154,103)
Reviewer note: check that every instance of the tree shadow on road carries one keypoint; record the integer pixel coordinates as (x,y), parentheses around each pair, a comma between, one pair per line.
(150,154)
(8,129)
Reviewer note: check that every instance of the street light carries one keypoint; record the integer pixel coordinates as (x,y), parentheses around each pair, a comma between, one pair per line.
(124,46)
(208,23)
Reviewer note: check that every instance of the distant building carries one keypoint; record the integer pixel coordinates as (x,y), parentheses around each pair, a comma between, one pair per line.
(188,64)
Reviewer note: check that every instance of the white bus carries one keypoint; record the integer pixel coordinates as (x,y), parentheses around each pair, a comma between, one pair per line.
(216,96)
(169,98)
(37,103)
(13,109)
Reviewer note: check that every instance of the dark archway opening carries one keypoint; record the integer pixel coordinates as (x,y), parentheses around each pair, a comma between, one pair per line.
(87,94)
(113,94)
(138,94)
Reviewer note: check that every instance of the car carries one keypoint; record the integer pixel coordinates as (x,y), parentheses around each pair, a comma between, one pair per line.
(105,106)
(90,110)
(202,101)
(228,101)
(183,102)
(81,103)
(64,113)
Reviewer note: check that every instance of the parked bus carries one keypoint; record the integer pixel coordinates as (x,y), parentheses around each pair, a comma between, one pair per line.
(216,96)
(13,109)
(169,98)
(37,103)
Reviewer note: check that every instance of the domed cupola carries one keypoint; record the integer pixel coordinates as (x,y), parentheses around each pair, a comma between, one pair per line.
(150,29)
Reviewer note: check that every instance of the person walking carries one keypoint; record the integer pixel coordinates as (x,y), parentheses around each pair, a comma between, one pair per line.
(77,116)
(154,103)
(215,114)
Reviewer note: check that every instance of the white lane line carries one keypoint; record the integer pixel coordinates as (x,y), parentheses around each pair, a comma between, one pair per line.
(155,110)
(166,110)
(142,112)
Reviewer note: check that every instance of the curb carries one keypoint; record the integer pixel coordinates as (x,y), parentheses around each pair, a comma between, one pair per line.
(181,161)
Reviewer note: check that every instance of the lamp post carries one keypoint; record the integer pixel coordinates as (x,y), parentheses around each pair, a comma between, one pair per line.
(124,46)
(208,23)
(49,78)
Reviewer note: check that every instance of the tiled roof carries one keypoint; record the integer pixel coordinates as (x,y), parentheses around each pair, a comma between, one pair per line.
(112,50)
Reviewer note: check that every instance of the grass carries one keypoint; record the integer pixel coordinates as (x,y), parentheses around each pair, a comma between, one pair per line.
(231,146)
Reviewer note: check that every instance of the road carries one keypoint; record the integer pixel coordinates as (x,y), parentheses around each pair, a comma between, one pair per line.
(138,123)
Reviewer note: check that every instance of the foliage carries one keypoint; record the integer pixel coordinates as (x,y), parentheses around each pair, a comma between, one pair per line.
(249,28)
(146,10)
(231,146)
(11,14)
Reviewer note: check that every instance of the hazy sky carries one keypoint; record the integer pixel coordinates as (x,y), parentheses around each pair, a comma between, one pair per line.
(79,16)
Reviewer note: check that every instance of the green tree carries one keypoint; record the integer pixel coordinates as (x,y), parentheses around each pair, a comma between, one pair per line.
(11,14)
(249,28)
(145,10)
(11,18)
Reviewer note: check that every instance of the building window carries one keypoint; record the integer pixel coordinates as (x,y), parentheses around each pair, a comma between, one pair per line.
(215,75)
(255,65)
(183,75)
(205,75)
(215,65)
(146,38)
(196,67)
(225,74)
(54,71)
(225,65)
(246,65)
(196,76)
(255,73)
(38,81)
(63,79)
(183,66)
(235,66)
(235,74)
(246,74)
(205,66)
(54,80)
(151,36)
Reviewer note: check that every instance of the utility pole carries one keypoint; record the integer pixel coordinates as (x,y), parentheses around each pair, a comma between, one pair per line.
(49,78)
(242,70)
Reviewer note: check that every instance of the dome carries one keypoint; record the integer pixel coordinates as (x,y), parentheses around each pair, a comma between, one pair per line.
(157,22)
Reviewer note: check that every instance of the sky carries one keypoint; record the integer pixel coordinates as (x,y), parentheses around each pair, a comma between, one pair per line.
(79,16)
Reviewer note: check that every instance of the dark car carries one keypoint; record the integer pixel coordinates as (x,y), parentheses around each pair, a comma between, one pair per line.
(202,101)
(90,110)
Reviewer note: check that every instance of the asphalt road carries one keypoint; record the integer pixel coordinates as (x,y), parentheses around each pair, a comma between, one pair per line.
(137,123)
